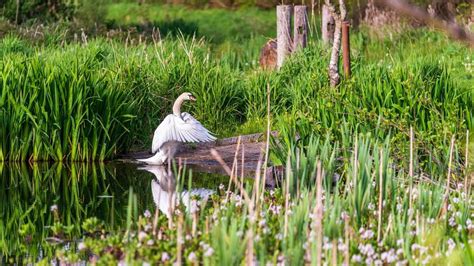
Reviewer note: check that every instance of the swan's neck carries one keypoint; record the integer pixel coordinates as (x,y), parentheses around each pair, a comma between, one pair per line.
(177,106)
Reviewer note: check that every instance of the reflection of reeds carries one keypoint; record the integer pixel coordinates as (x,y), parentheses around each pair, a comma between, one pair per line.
(77,192)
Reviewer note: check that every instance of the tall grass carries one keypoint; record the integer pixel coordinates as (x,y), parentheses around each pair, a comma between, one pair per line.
(233,230)
(62,108)
(92,101)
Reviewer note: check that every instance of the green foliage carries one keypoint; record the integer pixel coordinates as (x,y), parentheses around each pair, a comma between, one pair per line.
(371,188)
(39,9)
(61,107)
(110,97)
(216,25)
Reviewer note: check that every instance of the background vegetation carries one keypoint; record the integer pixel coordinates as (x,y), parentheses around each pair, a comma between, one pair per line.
(90,100)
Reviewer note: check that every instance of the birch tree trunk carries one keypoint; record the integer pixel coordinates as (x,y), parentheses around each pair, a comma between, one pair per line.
(334,77)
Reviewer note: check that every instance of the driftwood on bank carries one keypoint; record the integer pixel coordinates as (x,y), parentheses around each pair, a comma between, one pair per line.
(199,158)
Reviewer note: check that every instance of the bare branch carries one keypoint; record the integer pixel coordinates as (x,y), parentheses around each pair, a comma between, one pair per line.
(453,29)
(343,10)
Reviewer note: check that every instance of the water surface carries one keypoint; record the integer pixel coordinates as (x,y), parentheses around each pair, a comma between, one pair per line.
(42,193)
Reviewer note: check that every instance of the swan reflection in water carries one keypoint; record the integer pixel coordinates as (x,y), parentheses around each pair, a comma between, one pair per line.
(163,188)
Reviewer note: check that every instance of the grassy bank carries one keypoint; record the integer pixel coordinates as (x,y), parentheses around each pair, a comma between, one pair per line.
(92,101)
(216,25)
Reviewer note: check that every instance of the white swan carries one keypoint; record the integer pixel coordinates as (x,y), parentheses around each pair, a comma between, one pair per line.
(175,128)
(163,188)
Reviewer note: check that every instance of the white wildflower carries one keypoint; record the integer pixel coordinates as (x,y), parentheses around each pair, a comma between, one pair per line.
(400,242)
(327,246)
(147,214)
(81,246)
(279,236)
(399,252)
(451,246)
(368,261)
(275,209)
(141,236)
(399,207)
(452,221)
(371,206)
(165,257)
(367,249)
(356,258)
(147,227)
(368,234)
(209,251)
(192,256)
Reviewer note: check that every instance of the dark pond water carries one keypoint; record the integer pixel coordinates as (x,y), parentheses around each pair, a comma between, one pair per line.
(79,191)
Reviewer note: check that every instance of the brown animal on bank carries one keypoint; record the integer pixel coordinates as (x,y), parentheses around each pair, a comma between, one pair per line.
(268,55)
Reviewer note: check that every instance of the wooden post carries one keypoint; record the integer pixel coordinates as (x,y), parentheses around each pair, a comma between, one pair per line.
(284,42)
(346,49)
(300,29)
(328,25)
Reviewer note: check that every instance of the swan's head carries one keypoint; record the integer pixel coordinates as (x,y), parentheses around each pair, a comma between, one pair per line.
(188,96)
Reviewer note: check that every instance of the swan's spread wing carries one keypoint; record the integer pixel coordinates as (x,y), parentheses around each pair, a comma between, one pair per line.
(162,132)
(193,131)
(187,129)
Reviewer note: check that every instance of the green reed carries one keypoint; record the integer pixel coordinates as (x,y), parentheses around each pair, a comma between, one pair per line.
(61,108)
(92,101)
(372,192)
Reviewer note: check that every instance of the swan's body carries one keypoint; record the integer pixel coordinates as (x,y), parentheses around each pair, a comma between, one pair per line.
(176,128)
(163,188)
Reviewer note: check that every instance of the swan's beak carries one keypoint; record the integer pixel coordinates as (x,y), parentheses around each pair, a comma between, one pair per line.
(192,98)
